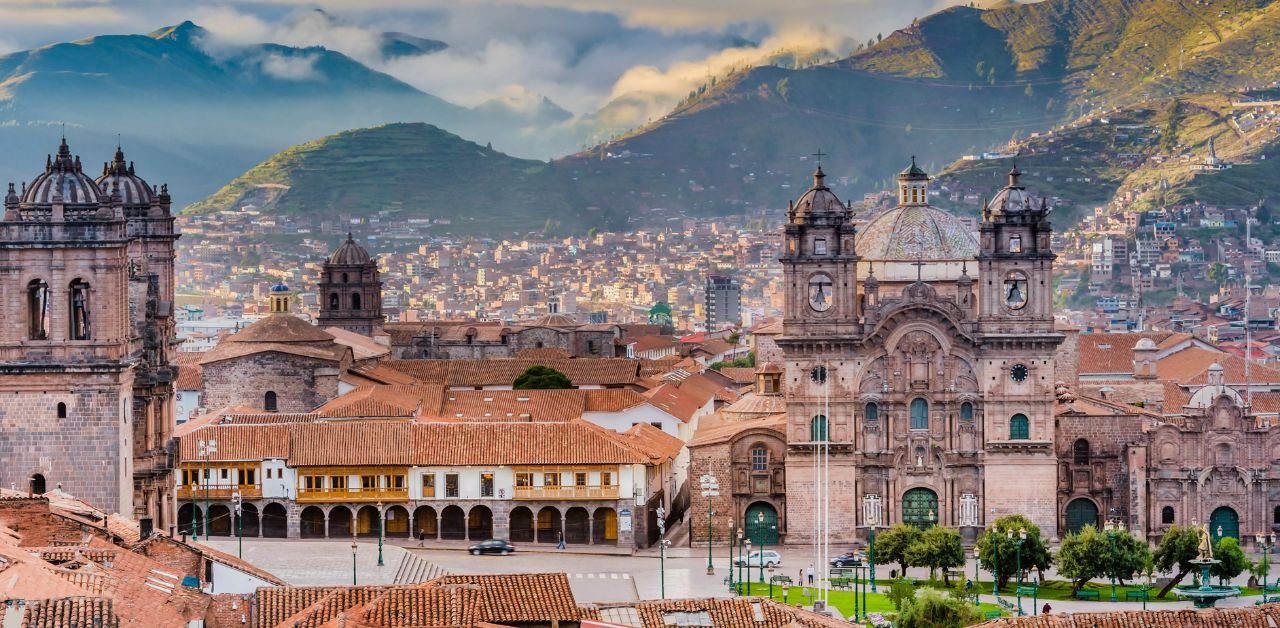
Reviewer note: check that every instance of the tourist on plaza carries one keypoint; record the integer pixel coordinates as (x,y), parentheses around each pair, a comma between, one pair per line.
(809,572)
(1046,609)
(422,537)
(560,544)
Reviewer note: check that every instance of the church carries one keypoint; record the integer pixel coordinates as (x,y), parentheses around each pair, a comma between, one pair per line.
(86,335)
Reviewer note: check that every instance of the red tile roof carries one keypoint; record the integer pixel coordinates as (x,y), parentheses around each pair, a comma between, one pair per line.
(1266,616)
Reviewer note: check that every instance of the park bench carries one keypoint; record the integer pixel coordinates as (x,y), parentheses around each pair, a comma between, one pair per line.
(1135,595)
(1085,594)
(991,615)
(844,584)
(1005,604)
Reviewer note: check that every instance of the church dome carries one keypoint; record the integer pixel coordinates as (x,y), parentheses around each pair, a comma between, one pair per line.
(349,254)
(915,232)
(1012,198)
(819,200)
(118,178)
(280,287)
(63,180)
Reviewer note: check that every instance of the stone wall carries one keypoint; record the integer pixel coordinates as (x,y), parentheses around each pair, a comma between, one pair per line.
(301,384)
(1066,360)
(1019,484)
(710,460)
(1104,477)
(30,518)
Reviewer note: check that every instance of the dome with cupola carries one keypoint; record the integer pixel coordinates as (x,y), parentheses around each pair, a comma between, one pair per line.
(119,180)
(63,181)
(818,202)
(349,254)
(1012,198)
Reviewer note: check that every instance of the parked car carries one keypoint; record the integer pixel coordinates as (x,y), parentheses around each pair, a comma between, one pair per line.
(849,559)
(768,558)
(492,546)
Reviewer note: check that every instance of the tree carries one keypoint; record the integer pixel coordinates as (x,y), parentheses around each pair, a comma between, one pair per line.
(1178,547)
(938,548)
(932,610)
(900,592)
(1232,561)
(538,377)
(1082,557)
(1218,274)
(1127,555)
(892,545)
(997,543)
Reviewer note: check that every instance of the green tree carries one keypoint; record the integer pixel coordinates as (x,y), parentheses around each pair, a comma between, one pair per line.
(1082,557)
(1262,568)
(1231,559)
(900,592)
(1001,542)
(938,548)
(1126,555)
(1218,274)
(1178,547)
(931,610)
(892,545)
(539,377)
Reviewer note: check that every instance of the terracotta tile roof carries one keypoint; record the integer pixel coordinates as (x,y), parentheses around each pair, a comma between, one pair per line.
(276,604)
(534,405)
(25,577)
(333,352)
(722,432)
(380,401)
(382,374)
(504,371)
(1112,353)
(1266,616)
(685,398)
(426,605)
(1077,404)
(528,597)
(331,606)
(72,611)
(545,353)
(651,439)
(754,404)
(362,347)
(280,328)
(237,442)
(189,377)
(744,612)
(742,375)
(649,368)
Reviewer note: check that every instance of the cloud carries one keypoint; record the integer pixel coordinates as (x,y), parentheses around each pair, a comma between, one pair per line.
(290,67)
(24,14)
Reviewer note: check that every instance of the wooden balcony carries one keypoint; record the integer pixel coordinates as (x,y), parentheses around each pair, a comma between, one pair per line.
(565,492)
(353,495)
(195,492)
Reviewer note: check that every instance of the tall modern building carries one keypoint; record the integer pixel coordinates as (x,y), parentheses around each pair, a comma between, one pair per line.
(86,334)
(722,301)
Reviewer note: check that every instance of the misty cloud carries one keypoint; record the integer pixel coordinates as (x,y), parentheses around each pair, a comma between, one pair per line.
(290,68)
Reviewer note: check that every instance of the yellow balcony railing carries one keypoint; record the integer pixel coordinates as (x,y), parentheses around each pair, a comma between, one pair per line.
(197,492)
(353,494)
(566,492)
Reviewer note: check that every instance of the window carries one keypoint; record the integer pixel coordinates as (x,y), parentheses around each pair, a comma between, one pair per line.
(966,411)
(919,414)
(429,485)
(344,278)
(580,479)
(312,482)
(1080,451)
(759,458)
(334,301)
(394,481)
(1015,244)
(355,301)
(80,324)
(451,485)
(62,410)
(1019,427)
(38,310)
(338,482)
(524,480)
(269,401)
(818,429)
(550,479)
(1166,515)
(369,482)
(246,477)
(591,347)
(820,246)
(224,473)
(606,478)
(486,485)
(872,413)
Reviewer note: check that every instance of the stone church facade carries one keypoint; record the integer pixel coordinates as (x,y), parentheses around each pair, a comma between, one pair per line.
(86,329)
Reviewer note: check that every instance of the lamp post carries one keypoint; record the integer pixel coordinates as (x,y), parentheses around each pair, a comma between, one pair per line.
(975,576)
(742,558)
(380,515)
(763,542)
(353,563)
(205,449)
(871,549)
(995,557)
(710,490)
(786,592)
(732,542)
(747,560)
(1017,544)
(771,581)
(236,503)
(1265,542)
(1113,528)
(662,551)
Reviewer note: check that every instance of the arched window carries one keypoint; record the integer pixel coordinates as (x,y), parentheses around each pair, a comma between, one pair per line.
(818,429)
(344,278)
(79,299)
(1019,427)
(38,486)
(759,458)
(334,301)
(269,401)
(1080,451)
(919,414)
(966,411)
(1166,514)
(1275,516)
(38,310)
(62,410)
(872,413)
(355,301)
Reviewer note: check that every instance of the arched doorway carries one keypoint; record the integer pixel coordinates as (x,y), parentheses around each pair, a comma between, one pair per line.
(480,523)
(340,522)
(188,517)
(275,522)
(425,522)
(549,525)
(219,520)
(312,523)
(762,531)
(1081,512)
(575,525)
(920,508)
(367,524)
(38,485)
(453,523)
(1228,521)
(249,522)
(397,522)
(521,525)
(604,526)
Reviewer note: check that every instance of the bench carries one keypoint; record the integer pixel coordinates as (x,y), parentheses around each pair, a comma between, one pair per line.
(1135,595)
(1005,604)
(1085,594)
(991,615)
(843,584)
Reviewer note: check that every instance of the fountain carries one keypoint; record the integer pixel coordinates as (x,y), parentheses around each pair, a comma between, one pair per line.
(1205,595)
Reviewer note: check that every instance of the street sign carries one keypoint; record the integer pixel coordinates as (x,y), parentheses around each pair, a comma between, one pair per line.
(710,493)
(707,478)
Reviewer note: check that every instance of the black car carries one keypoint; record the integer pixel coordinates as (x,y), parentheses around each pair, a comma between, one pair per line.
(847,560)
(492,546)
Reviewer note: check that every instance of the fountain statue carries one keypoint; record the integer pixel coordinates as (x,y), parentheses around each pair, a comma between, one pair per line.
(1205,595)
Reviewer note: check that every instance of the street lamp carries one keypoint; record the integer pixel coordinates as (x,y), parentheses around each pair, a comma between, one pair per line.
(662,551)
(1265,543)
(763,541)
(874,520)
(353,563)
(710,490)
(771,581)
(995,557)
(786,591)
(236,503)
(975,575)
(747,560)
(1017,544)
(732,541)
(380,563)
(742,558)
(205,449)
(1113,528)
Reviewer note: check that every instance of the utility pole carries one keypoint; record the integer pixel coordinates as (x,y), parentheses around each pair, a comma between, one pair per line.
(662,551)
(236,504)
(710,490)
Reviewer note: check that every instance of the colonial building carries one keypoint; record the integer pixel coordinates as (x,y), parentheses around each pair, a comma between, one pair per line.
(351,291)
(86,328)
(461,340)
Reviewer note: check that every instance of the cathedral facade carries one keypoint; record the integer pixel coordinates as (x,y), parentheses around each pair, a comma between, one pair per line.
(918,363)
(86,333)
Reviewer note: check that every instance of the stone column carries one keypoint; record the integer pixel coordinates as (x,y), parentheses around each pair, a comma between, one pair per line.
(326,524)
(591,527)
(439,522)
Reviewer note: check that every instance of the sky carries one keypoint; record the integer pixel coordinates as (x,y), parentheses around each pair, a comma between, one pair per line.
(581,54)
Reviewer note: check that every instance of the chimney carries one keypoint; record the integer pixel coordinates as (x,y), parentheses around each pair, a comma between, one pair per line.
(1144,359)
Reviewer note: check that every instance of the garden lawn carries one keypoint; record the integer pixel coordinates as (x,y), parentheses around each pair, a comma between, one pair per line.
(842,600)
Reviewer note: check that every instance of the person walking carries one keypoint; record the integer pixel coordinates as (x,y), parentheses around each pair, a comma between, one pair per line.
(809,572)
(422,537)
(560,543)
(1046,609)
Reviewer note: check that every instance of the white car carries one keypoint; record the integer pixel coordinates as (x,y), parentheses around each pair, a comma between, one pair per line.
(768,558)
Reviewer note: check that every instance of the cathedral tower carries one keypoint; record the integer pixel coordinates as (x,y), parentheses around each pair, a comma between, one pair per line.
(351,290)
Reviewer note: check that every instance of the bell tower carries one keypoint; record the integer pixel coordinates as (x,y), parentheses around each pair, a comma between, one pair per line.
(351,290)
(1015,262)
(819,264)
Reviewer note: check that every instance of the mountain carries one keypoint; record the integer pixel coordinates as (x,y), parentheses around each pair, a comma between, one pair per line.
(394,45)
(414,171)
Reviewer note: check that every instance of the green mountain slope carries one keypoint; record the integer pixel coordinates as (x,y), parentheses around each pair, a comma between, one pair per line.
(413,170)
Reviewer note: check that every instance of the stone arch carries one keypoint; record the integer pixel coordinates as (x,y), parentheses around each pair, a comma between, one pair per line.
(1080,512)
(927,317)
(521,525)
(248,523)
(762,530)
(368,524)
(334,301)
(62,410)
(604,526)
(275,521)
(479,523)
(396,520)
(1226,519)
(550,525)
(1080,451)
(220,520)
(189,516)
(920,507)
(355,301)
(341,522)
(38,484)
(576,521)
(1167,516)
(311,523)
(425,522)
(453,523)
(270,403)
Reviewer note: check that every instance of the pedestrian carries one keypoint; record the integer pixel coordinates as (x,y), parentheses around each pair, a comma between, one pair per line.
(1046,609)
(809,572)
(422,536)
(560,543)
